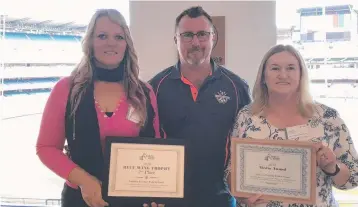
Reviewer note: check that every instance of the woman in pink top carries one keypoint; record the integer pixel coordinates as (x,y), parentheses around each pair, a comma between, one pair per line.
(102,97)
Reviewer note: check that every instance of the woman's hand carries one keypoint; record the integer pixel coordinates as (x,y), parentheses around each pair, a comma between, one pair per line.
(92,192)
(326,159)
(253,200)
(90,187)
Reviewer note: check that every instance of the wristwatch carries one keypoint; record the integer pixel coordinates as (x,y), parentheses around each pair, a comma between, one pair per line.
(338,169)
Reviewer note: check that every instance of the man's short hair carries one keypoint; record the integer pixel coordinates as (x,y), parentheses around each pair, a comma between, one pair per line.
(193,12)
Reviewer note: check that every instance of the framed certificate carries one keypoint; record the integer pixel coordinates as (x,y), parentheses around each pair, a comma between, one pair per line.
(144,170)
(279,170)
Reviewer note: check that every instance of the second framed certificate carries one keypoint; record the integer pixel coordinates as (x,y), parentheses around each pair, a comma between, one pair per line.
(279,170)
(144,170)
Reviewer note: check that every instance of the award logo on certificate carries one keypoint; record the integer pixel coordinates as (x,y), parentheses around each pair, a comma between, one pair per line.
(144,170)
(279,170)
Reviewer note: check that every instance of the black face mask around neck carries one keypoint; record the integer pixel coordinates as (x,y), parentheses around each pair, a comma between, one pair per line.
(109,75)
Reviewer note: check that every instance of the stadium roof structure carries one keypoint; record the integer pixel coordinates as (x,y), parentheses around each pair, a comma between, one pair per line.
(285,33)
(34,25)
(317,8)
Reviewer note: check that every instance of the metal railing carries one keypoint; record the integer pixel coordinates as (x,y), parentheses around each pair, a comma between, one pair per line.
(29,202)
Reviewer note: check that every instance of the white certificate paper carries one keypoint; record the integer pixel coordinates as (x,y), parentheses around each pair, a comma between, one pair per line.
(146,170)
(277,169)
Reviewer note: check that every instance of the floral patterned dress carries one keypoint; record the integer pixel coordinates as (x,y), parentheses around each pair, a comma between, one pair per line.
(328,127)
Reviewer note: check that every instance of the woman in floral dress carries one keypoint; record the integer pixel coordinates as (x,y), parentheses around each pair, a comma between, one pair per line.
(282,104)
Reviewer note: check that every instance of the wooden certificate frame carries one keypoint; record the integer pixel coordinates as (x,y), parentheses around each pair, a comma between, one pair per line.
(144,170)
(279,170)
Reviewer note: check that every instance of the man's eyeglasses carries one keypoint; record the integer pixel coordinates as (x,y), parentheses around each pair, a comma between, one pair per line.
(188,36)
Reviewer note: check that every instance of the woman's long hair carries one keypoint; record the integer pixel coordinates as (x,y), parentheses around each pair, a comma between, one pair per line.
(260,92)
(82,76)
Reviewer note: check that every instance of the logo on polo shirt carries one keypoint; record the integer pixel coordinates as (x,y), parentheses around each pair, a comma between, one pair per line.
(221,97)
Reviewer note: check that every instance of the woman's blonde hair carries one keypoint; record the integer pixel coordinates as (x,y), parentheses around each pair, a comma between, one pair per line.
(82,76)
(260,92)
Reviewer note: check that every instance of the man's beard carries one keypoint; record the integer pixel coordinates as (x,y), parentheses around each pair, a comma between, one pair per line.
(194,60)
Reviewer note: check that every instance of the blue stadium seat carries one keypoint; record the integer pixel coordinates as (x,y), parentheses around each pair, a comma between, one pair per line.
(41,37)
(15,36)
(64,38)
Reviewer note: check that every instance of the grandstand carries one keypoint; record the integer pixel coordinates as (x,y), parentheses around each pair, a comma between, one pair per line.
(37,53)
(327,38)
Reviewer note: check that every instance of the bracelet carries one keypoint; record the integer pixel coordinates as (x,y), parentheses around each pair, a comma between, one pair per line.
(338,169)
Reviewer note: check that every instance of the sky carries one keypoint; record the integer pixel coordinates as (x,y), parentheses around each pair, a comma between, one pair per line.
(69,10)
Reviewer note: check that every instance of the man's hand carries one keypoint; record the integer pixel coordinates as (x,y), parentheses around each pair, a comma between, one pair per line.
(153,204)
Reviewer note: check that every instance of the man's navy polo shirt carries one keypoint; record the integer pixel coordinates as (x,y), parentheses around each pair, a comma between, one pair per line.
(204,117)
